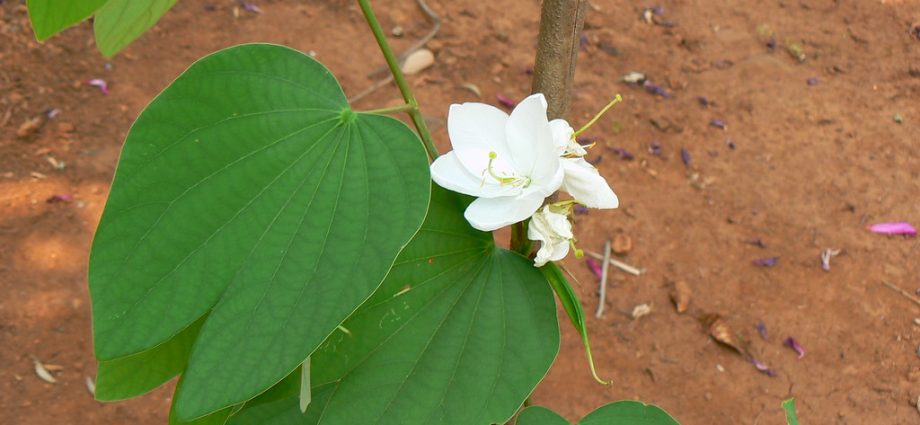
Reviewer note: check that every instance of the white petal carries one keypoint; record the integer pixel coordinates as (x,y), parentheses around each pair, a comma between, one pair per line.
(449,173)
(530,139)
(475,129)
(547,185)
(586,185)
(489,214)
(562,134)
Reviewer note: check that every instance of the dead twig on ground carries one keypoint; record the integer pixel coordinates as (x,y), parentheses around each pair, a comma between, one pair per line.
(603,290)
(618,264)
(903,293)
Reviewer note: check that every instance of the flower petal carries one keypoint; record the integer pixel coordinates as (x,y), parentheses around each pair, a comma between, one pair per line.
(475,129)
(586,185)
(449,173)
(489,214)
(530,139)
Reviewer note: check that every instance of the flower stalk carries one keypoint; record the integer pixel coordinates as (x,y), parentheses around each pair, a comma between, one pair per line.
(393,63)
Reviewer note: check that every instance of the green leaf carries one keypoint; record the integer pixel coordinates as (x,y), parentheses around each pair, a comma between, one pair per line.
(539,415)
(459,333)
(789,407)
(50,17)
(219,417)
(284,411)
(619,413)
(120,22)
(134,375)
(249,191)
(572,307)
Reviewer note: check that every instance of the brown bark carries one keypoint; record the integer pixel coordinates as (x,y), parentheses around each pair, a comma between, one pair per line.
(560,28)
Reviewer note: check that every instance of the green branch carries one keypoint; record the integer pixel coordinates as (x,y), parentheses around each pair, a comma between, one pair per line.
(400,79)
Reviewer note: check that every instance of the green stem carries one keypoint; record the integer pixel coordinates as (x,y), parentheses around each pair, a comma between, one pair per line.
(394,109)
(519,241)
(400,79)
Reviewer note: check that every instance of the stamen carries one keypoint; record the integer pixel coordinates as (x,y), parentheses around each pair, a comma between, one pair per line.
(513,180)
(616,99)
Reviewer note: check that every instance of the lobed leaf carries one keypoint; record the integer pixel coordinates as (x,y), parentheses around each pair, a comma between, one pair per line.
(119,22)
(249,192)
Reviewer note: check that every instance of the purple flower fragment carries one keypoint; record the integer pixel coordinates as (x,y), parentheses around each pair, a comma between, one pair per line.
(656,89)
(596,160)
(623,154)
(208,7)
(765,262)
(812,81)
(717,123)
(654,148)
(894,228)
(704,102)
(505,101)
(61,197)
(771,43)
(685,157)
(580,209)
(762,330)
(583,42)
(793,344)
(250,7)
(100,83)
(587,140)
(595,267)
(730,143)
(51,113)
(763,368)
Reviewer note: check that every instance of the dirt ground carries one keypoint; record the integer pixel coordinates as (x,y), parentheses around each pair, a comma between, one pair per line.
(819,150)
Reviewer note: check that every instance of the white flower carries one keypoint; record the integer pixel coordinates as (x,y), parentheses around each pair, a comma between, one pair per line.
(554,232)
(510,163)
(582,180)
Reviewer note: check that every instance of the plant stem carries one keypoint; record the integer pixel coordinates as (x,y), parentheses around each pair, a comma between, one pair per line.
(561,22)
(400,79)
(401,108)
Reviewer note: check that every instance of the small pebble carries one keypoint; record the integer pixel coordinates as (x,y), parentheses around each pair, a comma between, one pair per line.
(622,244)
(418,61)
(397,31)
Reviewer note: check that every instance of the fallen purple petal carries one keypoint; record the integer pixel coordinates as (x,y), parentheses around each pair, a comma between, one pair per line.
(505,101)
(717,123)
(763,368)
(685,157)
(762,330)
(812,81)
(623,154)
(528,71)
(100,83)
(587,140)
(595,267)
(654,148)
(915,31)
(771,43)
(582,42)
(580,209)
(704,102)
(894,228)
(209,7)
(793,344)
(766,262)
(250,7)
(62,197)
(596,160)
(656,89)
(52,112)
(730,143)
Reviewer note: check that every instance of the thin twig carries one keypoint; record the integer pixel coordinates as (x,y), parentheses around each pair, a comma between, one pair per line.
(618,264)
(904,293)
(603,292)
(436,27)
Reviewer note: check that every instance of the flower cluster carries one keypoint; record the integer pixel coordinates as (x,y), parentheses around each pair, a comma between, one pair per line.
(512,163)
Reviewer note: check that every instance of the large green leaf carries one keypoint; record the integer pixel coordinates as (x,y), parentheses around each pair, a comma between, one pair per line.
(619,413)
(136,374)
(249,191)
(459,333)
(50,17)
(119,22)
